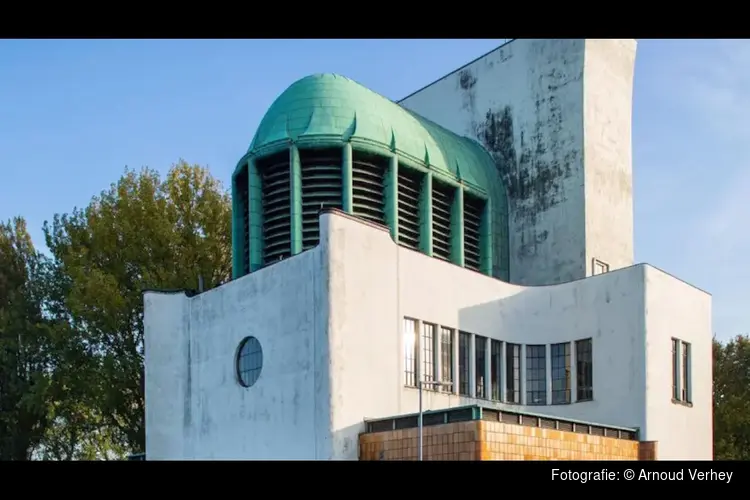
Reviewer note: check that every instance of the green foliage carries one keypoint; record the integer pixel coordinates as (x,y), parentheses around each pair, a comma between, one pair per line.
(732,399)
(142,233)
(26,361)
(71,327)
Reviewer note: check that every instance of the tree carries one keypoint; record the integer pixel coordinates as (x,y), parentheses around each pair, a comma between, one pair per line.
(732,399)
(26,365)
(141,233)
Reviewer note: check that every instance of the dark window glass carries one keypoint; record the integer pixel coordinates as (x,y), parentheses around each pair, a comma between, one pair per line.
(480,365)
(685,370)
(584,371)
(513,373)
(249,361)
(463,363)
(496,357)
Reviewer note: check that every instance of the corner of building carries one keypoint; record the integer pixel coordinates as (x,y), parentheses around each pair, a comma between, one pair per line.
(167,374)
(679,368)
(363,305)
(609,67)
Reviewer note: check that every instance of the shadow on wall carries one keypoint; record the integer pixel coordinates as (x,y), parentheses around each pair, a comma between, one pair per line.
(606,309)
(346,441)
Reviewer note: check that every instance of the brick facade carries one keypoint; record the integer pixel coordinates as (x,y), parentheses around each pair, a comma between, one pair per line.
(486,440)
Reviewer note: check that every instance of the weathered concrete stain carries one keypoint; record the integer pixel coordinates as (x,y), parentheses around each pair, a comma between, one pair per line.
(466,82)
(534,184)
(187,413)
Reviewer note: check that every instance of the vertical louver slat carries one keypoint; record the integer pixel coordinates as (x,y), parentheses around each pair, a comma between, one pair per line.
(242,191)
(321,188)
(442,201)
(275,173)
(409,187)
(473,208)
(368,196)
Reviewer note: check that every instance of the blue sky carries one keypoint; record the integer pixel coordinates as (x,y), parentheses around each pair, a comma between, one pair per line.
(74,113)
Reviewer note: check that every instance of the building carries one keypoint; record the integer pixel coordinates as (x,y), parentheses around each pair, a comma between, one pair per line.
(478,233)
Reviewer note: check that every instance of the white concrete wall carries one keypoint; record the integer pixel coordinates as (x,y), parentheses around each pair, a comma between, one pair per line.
(375,283)
(330,323)
(196,409)
(555,115)
(608,166)
(676,309)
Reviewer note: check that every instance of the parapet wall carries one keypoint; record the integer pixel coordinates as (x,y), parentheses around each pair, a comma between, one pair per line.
(497,440)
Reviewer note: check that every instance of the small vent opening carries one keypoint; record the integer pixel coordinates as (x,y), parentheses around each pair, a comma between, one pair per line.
(368,194)
(409,188)
(274,172)
(442,203)
(473,208)
(321,188)
(241,188)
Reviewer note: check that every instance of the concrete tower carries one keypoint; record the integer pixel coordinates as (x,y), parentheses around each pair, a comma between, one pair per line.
(556,117)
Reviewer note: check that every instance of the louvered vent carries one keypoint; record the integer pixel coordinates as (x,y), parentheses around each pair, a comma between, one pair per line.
(442,201)
(473,208)
(242,195)
(368,173)
(409,187)
(274,173)
(321,188)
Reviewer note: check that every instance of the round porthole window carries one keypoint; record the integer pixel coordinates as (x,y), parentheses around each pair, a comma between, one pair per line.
(249,361)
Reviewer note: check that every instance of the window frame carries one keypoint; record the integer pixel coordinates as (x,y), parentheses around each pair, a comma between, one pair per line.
(514,377)
(496,370)
(411,377)
(464,369)
(536,365)
(584,370)
(447,374)
(428,355)
(480,372)
(681,372)
(567,357)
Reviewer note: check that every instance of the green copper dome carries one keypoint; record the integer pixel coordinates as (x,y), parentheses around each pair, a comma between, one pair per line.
(329,107)
(327,141)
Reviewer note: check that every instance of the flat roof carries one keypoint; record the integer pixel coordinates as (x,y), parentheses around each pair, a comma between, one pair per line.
(489,414)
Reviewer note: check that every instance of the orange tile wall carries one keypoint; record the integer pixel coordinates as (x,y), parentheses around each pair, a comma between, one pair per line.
(483,440)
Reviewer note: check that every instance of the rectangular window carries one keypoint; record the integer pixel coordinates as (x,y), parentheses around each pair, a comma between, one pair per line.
(428,355)
(685,372)
(675,369)
(536,374)
(480,365)
(496,357)
(446,359)
(410,352)
(584,371)
(463,363)
(560,355)
(513,373)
